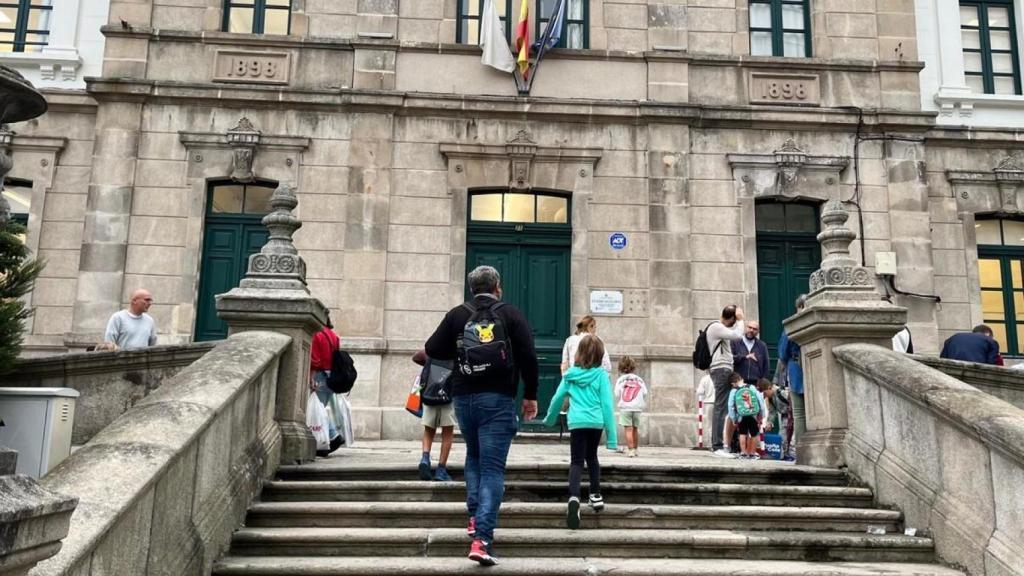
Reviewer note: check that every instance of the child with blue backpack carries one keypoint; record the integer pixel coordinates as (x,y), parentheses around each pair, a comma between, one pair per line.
(591,412)
(745,409)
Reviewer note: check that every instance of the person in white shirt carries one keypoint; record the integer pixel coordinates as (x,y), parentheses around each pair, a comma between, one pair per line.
(586,325)
(631,390)
(133,328)
(720,336)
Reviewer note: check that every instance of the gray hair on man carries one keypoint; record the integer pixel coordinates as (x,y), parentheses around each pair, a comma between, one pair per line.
(483,280)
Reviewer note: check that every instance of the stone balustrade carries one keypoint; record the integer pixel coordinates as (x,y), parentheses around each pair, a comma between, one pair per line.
(109,383)
(950,456)
(998,381)
(162,488)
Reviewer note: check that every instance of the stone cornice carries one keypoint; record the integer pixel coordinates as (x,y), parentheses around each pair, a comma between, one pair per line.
(217,140)
(410,104)
(77,101)
(543,154)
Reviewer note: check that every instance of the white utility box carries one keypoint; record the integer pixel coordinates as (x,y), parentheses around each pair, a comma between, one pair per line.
(37,423)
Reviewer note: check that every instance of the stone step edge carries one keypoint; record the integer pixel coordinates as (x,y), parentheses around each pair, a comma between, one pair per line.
(423,566)
(426,509)
(598,537)
(765,467)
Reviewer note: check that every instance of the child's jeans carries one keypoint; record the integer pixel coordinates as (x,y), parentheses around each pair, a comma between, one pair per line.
(583,445)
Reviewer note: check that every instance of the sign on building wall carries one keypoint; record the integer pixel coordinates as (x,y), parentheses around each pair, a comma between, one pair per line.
(605,302)
(792,89)
(252,67)
(618,241)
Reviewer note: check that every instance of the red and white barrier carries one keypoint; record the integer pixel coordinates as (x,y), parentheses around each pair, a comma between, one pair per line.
(700,424)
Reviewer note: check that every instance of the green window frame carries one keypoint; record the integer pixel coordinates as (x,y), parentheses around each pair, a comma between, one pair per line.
(989,34)
(24,25)
(1001,280)
(575,26)
(258,17)
(467,26)
(784,26)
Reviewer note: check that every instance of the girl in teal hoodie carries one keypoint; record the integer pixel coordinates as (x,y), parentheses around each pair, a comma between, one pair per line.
(590,413)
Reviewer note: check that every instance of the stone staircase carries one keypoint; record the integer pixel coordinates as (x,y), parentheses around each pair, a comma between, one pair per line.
(705,518)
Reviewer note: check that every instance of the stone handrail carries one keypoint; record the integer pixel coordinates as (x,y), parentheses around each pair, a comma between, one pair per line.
(950,456)
(109,383)
(162,488)
(998,381)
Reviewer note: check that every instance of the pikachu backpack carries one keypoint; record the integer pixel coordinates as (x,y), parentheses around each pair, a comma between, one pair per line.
(483,348)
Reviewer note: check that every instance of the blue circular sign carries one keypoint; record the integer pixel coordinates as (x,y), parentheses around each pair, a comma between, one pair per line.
(617,241)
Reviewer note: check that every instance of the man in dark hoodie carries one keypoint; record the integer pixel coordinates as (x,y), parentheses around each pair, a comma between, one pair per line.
(484,394)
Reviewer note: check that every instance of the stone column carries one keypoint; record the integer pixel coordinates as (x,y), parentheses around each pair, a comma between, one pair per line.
(273,296)
(842,308)
(33,520)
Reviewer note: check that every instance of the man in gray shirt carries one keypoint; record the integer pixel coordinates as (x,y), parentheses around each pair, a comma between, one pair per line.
(720,336)
(132,328)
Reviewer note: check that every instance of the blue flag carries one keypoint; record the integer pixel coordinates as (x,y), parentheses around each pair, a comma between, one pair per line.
(552,32)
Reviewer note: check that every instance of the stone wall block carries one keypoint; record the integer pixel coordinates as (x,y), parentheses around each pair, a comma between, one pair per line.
(908,472)
(118,553)
(397,424)
(174,543)
(213,466)
(1003,555)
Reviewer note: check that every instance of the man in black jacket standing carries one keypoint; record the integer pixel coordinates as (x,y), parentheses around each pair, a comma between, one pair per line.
(485,407)
(750,355)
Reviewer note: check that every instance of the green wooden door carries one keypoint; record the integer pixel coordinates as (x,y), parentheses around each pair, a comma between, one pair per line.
(232,232)
(528,239)
(787,254)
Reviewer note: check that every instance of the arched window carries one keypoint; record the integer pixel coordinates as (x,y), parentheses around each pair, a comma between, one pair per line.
(519,208)
(1001,280)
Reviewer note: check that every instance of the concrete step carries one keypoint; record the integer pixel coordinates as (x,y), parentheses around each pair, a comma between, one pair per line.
(548,543)
(725,471)
(556,492)
(392,566)
(545,515)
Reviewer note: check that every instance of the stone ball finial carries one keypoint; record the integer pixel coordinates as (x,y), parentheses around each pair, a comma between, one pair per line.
(838,268)
(278,261)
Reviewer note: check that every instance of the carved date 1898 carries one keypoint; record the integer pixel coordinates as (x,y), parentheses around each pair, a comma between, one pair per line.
(247,67)
(251,67)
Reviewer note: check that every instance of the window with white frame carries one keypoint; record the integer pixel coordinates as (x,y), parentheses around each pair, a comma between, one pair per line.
(24,25)
(989,36)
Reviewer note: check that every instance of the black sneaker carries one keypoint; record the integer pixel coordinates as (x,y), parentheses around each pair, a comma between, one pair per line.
(596,502)
(425,473)
(572,516)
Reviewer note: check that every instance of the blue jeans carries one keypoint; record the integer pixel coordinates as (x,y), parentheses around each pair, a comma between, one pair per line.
(488,425)
(324,394)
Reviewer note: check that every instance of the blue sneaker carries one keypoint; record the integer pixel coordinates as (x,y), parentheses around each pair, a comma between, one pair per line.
(441,474)
(425,469)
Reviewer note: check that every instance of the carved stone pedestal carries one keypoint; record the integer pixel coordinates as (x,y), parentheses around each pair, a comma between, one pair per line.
(842,308)
(273,296)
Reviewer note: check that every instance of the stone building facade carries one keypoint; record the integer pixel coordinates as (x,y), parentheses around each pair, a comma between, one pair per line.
(670,162)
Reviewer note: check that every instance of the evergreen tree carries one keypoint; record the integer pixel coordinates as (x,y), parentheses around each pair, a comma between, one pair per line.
(18,272)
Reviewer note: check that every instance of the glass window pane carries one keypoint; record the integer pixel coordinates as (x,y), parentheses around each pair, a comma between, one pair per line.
(486,208)
(760,43)
(470,31)
(1016,276)
(574,37)
(792,17)
(1013,232)
(519,208)
(972,61)
(575,9)
(546,8)
(976,84)
(1018,307)
(987,232)
(6,41)
(285,3)
(552,209)
(276,22)
(39,19)
(227,199)
(971,39)
(760,15)
(35,42)
(1004,85)
(769,218)
(999,40)
(992,304)
(998,17)
(240,20)
(20,199)
(793,45)
(968,15)
(257,199)
(800,218)
(1002,64)
(999,333)
(990,275)
(8,17)
(472,7)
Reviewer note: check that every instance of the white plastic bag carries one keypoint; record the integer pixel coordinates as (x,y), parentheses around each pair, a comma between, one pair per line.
(345,412)
(316,419)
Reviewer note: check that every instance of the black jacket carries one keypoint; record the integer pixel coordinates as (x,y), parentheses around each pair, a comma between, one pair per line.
(970,347)
(750,371)
(442,346)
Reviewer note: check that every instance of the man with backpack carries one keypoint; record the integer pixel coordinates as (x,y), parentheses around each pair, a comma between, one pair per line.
(492,346)
(321,362)
(718,338)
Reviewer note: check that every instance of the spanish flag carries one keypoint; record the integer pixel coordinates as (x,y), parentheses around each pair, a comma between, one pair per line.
(522,40)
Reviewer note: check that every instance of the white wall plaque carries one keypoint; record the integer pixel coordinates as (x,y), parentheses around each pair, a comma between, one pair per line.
(605,302)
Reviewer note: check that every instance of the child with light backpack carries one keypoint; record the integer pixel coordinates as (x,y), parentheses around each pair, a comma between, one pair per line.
(631,390)
(745,409)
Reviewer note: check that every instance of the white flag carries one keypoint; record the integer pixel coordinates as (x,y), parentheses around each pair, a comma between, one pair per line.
(492,40)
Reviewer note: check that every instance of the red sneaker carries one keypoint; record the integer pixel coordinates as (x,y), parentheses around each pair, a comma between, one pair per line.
(471,527)
(480,552)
